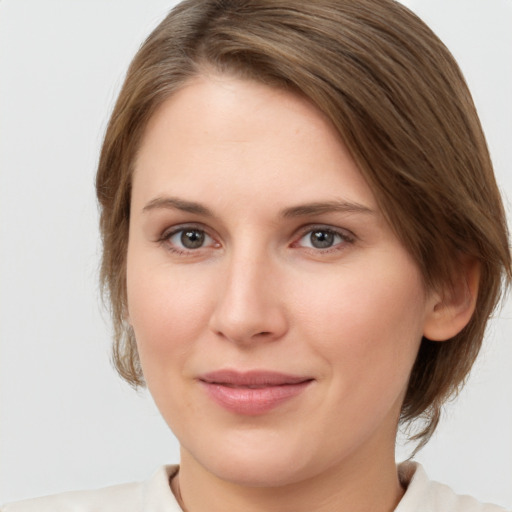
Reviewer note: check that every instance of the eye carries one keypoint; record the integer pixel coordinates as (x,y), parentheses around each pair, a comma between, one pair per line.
(323,238)
(187,239)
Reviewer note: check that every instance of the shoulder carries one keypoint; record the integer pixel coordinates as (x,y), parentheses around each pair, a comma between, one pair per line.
(153,495)
(424,495)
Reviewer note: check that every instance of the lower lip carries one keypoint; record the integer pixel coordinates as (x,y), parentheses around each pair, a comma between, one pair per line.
(253,401)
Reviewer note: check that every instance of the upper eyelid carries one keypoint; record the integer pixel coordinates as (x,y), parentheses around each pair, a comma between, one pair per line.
(172,230)
(165,239)
(304,230)
(299,232)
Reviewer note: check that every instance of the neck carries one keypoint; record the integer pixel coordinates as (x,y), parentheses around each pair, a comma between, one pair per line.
(361,484)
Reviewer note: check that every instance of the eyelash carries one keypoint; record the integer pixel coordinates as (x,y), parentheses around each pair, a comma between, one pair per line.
(167,235)
(345,238)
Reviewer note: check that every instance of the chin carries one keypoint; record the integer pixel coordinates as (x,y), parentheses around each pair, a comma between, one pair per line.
(262,473)
(261,463)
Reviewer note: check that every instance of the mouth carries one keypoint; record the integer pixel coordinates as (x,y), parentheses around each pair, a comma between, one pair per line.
(254,392)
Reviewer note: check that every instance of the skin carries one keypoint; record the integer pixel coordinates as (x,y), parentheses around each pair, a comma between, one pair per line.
(259,295)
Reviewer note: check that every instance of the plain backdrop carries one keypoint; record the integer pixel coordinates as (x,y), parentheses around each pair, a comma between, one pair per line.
(67,421)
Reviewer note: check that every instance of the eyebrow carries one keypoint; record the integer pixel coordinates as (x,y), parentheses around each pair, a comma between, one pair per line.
(174,203)
(327,207)
(303,210)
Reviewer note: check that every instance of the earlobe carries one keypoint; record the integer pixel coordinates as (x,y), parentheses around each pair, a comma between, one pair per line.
(451,309)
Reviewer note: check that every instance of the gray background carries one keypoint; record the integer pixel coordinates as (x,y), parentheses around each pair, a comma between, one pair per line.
(67,421)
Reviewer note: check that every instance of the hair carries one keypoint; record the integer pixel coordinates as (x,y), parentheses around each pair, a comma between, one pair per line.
(400,104)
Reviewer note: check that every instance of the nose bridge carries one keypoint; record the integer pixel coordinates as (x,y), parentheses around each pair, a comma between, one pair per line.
(248,306)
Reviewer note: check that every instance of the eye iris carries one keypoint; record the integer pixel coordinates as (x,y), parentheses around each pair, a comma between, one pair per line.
(322,239)
(192,239)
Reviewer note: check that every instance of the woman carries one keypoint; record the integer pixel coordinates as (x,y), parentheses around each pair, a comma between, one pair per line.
(303,241)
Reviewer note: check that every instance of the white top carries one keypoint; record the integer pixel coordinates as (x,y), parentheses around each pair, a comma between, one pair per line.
(155,495)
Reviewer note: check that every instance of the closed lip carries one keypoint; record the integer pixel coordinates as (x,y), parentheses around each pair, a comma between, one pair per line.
(252,378)
(252,393)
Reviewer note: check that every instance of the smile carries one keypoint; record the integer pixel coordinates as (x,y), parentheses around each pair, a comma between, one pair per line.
(252,393)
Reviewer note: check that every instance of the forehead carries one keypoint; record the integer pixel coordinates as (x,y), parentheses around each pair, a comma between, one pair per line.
(220,135)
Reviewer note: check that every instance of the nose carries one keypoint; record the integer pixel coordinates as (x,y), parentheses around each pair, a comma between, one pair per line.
(250,306)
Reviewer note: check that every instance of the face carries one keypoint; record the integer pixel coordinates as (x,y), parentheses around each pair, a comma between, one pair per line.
(276,314)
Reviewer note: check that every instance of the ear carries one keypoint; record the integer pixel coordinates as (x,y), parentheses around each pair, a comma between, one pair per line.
(451,308)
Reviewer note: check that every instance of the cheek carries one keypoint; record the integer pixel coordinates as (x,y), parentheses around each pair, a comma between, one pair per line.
(167,310)
(369,321)
(366,328)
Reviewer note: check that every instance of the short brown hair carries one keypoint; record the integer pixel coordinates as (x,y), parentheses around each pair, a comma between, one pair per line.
(400,104)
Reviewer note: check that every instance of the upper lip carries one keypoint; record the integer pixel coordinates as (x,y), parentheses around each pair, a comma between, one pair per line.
(252,378)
